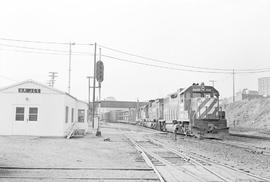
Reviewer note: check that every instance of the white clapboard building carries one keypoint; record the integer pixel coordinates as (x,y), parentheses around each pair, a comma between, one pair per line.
(32,108)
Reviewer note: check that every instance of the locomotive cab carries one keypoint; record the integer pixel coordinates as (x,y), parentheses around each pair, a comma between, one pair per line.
(206,116)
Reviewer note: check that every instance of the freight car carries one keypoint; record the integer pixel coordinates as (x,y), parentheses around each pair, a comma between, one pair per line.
(195,109)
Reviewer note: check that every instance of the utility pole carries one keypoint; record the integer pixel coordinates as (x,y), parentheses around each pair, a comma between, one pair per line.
(233,85)
(213,82)
(99,94)
(99,85)
(94,83)
(52,75)
(69,66)
(89,96)
(49,83)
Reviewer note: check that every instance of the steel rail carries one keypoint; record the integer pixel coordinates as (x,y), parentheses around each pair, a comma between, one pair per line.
(235,169)
(77,178)
(75,169)
(191,174)
(237,145)
(170,164)
(194,161)
(246,146)
(146,158)
(209,161)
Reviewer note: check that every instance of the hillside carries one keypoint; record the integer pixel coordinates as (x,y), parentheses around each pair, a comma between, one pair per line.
(250,114)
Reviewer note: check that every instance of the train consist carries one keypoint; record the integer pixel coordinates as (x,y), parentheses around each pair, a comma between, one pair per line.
(193,111)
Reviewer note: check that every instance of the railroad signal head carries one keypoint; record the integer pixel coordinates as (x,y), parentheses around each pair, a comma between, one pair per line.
(100,71)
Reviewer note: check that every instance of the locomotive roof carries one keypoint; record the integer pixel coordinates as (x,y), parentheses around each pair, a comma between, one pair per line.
(188,89)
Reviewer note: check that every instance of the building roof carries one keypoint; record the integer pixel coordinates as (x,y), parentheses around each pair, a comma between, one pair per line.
(41,85)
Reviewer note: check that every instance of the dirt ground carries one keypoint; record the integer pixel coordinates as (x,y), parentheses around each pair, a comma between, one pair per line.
(89,152)
(239,158)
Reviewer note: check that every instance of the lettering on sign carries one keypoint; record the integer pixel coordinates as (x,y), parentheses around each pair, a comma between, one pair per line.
(29,90)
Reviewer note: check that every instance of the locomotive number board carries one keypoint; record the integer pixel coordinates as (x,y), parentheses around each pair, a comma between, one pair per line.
(201,90)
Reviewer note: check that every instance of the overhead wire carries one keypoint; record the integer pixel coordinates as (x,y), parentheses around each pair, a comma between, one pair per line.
(64,52)
(177,64)
(126,60)
(159,66)
(8,78)
(43,42)
(41,49)
(34,41)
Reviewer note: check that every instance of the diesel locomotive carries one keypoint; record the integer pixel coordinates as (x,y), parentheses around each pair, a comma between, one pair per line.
(194,110)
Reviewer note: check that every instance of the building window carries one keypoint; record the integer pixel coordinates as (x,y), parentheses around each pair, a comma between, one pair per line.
(81,114)
(66,119)
(19,114)
(33,113)
(72,115)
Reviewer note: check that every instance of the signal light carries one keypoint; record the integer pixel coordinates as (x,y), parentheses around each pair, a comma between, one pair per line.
(99,71)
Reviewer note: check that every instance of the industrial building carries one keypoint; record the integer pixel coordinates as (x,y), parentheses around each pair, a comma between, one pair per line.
(247,94)
(32,108)
(264,86)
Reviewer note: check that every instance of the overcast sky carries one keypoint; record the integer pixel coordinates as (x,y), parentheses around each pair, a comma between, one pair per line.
(211,33)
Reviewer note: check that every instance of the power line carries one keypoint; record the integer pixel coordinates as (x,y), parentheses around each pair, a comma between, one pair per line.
(176,64)
(159,66)
(35,52)
(260,70)
(43,49)
(63,52)
(42,42)
(131,61)
(34,41)
(33,48)
(8,78)
(179,69)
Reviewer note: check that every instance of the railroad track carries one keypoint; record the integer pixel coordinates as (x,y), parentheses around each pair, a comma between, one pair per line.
(236,144)
(76,174)
(172,164)
(247,147)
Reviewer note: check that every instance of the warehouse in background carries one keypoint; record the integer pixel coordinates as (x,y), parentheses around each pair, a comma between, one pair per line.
(121,111)
(32,108)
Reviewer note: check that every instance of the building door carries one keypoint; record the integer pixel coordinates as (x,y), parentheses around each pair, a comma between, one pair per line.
(26,120)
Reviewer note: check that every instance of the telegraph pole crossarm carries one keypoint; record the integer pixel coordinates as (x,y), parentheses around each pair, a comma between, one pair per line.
(213,82)
(52,75)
